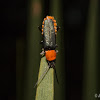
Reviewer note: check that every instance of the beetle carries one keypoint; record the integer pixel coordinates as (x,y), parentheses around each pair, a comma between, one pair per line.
(49,31)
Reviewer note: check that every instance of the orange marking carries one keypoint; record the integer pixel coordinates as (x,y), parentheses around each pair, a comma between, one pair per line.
(54,21)
(43,22)
(50,17)
(50,55)
(55,24)
(42,26)
(42,33)
(42,30)
(45,19)
(55,30)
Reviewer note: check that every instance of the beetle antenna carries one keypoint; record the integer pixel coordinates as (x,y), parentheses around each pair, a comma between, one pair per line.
(41,78)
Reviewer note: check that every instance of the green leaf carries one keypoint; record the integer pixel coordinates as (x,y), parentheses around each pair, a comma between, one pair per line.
(45,88)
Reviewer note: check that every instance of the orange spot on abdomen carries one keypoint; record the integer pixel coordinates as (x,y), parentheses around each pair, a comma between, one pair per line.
(50,55)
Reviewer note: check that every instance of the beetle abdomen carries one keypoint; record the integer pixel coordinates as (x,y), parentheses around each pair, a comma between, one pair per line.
(49,30)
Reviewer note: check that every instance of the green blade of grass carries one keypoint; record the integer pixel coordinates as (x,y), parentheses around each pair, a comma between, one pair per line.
(90,58)
(45,89)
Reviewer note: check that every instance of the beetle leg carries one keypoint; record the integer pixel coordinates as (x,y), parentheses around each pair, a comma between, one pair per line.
(56,45)
(48,64)
(41,42)
(42,49)
(39,27)
(57,51)
(53,66)
(56,74)
(58,28)
(42,53)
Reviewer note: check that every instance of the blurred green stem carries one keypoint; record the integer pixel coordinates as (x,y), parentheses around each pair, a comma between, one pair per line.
(90,57)
(33,49)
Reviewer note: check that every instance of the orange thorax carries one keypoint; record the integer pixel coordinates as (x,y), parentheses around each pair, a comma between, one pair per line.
(50,55)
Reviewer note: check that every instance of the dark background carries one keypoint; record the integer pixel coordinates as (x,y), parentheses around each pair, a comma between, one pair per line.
(13,26)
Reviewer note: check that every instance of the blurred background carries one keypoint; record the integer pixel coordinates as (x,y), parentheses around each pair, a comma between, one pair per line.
(78,60)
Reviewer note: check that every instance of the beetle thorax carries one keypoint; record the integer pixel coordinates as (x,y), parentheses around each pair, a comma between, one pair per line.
(50,55)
